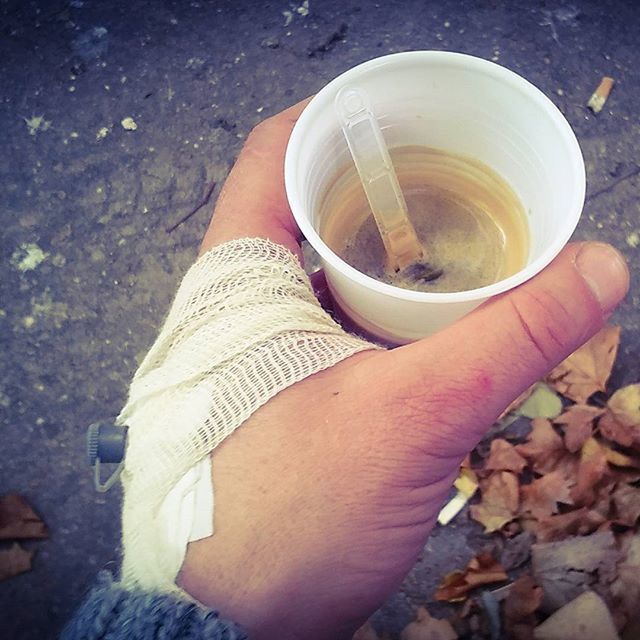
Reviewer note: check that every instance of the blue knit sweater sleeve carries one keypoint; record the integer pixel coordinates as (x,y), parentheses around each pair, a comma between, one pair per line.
(111,612)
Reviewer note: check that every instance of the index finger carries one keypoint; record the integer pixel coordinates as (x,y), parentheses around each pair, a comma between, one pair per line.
(253,202)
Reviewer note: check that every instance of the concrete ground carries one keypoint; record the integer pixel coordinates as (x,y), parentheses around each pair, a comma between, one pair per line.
(88,268)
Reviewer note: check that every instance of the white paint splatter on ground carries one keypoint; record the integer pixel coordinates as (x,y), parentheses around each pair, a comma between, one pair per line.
(302,10)
(129,124)
(102,133)
(28,256)
(36,124)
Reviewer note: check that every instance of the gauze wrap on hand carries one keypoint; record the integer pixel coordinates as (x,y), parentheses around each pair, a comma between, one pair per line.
(244,325)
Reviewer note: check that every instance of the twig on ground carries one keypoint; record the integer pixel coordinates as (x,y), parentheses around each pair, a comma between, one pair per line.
(203,203)
(634,172)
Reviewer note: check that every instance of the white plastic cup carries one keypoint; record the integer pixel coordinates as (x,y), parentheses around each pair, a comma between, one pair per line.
(461,104)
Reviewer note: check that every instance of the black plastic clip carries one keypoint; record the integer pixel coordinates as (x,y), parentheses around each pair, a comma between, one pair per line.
(106,444)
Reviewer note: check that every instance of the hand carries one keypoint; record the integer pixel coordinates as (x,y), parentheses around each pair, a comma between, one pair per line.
(326,495)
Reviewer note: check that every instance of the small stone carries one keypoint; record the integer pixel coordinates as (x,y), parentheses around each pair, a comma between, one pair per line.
(129,124)
(103,132)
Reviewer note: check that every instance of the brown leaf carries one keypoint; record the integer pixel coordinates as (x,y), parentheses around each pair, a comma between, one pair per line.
(18,520)
(427,628)
(483,569)
(579,522)
(504,457)
(565,569)
(14,560)
(621,422)
(626,500)
(626,588)
(592,469)
(577,423)
(544,447)
(500,501)
(587,370)
(541,497)
(523,600)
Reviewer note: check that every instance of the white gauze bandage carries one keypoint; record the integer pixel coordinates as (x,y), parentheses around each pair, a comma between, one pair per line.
(244,325)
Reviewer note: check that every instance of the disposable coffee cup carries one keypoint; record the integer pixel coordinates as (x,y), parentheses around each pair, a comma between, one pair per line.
(462,105)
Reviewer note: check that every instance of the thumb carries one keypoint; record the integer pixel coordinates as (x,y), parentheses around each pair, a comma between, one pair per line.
(476,367)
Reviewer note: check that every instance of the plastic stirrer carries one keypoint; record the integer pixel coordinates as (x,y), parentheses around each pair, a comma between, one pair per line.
(378,177)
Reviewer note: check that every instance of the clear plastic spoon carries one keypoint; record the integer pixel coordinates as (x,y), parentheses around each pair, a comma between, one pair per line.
(378,178)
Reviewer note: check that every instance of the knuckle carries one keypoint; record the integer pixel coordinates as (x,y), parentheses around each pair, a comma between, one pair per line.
(544,325)
(261,133)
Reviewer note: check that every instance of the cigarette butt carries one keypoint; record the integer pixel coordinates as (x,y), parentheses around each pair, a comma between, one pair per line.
(466,484)
(600,95)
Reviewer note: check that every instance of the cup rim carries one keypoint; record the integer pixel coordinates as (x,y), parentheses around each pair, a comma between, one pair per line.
(326,95)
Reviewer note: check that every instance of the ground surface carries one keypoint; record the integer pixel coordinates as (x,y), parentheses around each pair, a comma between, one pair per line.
(88,269)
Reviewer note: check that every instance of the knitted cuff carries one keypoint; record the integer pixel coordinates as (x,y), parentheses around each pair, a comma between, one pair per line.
(113,612)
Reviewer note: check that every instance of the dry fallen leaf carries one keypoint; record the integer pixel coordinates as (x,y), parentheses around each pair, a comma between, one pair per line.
(592,469)
(587,370)
(18,521)
(483,569)
(523,600)
(626,500)
(504,457)
(544,447)
(586,616)
(625,591)
(577,423)
(427,628)
(621,422)
(565,569)
(578,522)
(500,501)
(542,496)
(14,560)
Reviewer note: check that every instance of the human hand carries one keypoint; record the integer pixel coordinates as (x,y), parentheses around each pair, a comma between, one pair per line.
(326,495)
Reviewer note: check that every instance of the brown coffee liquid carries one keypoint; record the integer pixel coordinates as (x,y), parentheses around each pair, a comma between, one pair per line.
(470,222)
